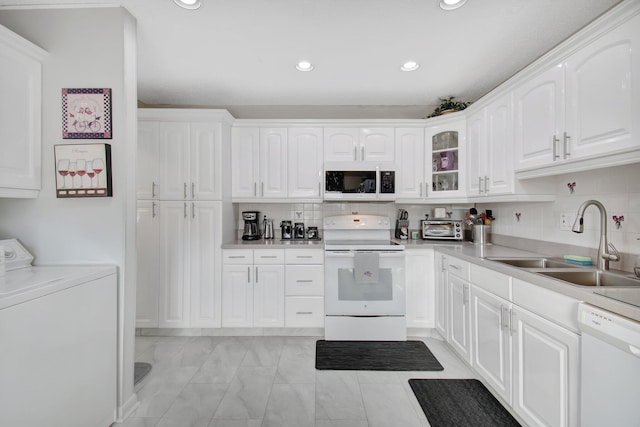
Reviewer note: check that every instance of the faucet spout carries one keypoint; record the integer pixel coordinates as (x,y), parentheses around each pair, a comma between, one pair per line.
(604,256)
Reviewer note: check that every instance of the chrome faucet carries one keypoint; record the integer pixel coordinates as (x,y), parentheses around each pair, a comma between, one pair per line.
(603,256)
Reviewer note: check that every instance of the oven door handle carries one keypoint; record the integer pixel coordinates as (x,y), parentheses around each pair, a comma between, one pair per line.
(351,254)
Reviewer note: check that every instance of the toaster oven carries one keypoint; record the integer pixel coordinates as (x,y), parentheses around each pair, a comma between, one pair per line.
(445,229)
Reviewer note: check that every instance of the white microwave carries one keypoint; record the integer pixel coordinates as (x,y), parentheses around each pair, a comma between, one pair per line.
(359,181)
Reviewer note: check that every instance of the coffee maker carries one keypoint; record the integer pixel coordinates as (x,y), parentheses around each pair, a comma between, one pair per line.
(251,225)
(286,230)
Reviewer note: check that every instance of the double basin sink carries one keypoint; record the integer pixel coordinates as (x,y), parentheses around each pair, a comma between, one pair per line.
(557,268)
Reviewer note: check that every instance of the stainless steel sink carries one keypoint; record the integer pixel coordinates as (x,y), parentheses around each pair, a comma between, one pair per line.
(535,262)
(591,278)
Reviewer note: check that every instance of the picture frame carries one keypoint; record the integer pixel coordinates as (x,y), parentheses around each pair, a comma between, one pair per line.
(86,113)
(83,170)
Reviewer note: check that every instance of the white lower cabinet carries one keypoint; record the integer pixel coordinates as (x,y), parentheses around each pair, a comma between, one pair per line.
(491,340)
(546,364)
(420,288)
(148,273)
(253,288)
(531,362)
(304,288)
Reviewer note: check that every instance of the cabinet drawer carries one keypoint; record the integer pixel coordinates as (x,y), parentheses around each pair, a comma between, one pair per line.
(304,256)
(268,256)
(237,256)
(304,312)
(304,280)
(492,281)
(457,267)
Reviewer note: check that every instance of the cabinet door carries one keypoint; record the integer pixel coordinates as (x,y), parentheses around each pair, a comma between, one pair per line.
(459,316)
(491,340)
(377,145)
(499,147)
(445,155)
(420,288)
(205,268)
(603,93)
(20,118)
(273,163)
(268,297)
(546,368)
(205,165)
(305,163)
(477,152)
(147,279)
(245,159)
(148,159)
(410,183)
(539,123)
(174,265)
(237,296)
(341,144)
(441,297)
(174,160)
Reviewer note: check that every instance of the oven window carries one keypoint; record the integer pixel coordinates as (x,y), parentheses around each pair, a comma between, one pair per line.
(350,290)
(440,229)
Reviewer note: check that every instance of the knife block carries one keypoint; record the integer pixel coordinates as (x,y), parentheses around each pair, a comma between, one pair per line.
(402,229)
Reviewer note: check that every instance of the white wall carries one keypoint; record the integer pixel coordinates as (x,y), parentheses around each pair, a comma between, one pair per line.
(617,188)
(87,48)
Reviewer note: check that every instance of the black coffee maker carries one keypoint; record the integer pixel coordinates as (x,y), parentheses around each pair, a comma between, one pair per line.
(251,225)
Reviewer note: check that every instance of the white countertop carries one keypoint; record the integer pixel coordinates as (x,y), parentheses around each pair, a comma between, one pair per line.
(274,244)
(24,284)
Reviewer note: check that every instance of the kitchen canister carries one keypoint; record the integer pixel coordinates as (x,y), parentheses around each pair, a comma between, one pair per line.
(481,234)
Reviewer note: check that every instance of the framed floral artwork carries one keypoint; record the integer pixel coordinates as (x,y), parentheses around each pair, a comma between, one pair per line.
(83,170)
(86,113)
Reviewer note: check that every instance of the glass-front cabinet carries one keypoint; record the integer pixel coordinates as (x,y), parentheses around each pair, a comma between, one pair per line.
(445,144)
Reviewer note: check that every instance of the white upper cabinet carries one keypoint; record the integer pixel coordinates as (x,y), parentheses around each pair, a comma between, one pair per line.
(259,157)
(147,174)
(20,116)
(574,115)
(490,149)
(603,93)
(539,111)
(371,144)
(205,161)
(305,163)
(444,160)
(174,160)
(410,171)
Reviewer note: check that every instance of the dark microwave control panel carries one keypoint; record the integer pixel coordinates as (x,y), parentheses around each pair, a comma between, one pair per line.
(387,182)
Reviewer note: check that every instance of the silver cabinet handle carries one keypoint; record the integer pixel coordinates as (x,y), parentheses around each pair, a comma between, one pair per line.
(355,152)
(304,312)
(426,189)
(362,151)
(565,151)
(193,190)
(465,294)
(304,281)
(303,256)
(153,189)
(262,189)
(421,190)
(455,267)
(185,190)
(185,209)
(257,275)
(268,256)
(503,321)
(153,210)
(443,267)
(236,256)
(319,190)
(555,148)
(479,185)
(255,188)
(513,327)
(248,274)
(193,210)
(486,185)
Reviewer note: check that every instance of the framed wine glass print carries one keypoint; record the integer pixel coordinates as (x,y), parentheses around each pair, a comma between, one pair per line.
(83,170)
(86,113)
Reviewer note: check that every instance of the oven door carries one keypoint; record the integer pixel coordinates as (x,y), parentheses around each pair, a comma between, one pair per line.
(345,296)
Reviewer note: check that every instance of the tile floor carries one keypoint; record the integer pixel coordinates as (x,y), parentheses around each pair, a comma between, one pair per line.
(271,382)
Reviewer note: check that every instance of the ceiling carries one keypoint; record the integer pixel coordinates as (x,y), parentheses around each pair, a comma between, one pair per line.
(241,54)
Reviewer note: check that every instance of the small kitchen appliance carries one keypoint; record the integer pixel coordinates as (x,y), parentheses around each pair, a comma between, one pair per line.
(312,233)
(359,181)
(286,230)
(298,230)
(251,226)
(441,229)
(267,228)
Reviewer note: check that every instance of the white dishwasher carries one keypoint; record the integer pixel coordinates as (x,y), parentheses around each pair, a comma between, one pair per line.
(610,369)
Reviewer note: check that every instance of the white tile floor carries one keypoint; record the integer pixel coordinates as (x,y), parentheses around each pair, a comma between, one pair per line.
(271,381)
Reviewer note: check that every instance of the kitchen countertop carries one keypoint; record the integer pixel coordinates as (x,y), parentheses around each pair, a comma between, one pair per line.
(477,254)
(25,284)
(274,244)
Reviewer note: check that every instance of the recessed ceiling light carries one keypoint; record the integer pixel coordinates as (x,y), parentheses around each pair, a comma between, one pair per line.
(304,66)
(410,66)
(188,4)
(451,4)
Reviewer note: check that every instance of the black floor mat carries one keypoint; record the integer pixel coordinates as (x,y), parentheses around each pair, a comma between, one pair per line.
(460,403)
(140,370)
(375,356)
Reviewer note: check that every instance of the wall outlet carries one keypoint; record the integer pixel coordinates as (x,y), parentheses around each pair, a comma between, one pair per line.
(566,221)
